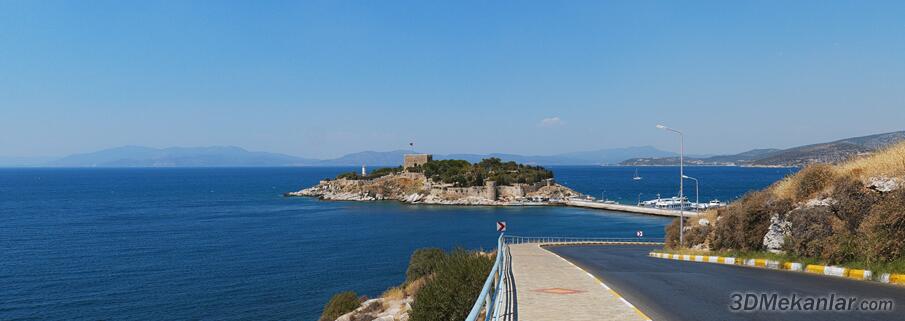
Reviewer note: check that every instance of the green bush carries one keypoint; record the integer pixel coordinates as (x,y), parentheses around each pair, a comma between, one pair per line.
(884,229)
(424,262)
(341,303)
(812,179)
(463,173)
(457,282)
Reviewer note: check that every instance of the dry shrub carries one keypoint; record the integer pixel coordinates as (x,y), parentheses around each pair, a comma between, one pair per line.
(852,202)
(394,293)
(810,229)
(785,188)
(884,229)
(843,245)
(697,235)
(743,224)
(672,234)
(723,236)
(887,162)
(812,179)
(412,287)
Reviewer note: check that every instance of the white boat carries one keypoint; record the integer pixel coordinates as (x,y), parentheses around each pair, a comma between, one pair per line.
(637,178)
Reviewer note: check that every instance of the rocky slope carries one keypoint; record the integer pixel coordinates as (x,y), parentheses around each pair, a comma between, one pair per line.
(837,214)
(415,188)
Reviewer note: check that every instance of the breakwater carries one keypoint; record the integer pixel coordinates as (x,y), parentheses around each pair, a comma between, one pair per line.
(627,208)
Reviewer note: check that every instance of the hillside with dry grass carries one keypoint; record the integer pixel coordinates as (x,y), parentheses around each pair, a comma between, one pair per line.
(853,212)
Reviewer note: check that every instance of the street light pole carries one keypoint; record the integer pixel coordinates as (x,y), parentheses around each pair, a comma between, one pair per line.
(697,199)
(681,189)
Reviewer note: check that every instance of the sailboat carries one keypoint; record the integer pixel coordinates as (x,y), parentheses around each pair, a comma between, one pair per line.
(637,178)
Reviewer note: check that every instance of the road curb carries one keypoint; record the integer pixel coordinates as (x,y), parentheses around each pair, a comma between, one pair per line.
(829,270)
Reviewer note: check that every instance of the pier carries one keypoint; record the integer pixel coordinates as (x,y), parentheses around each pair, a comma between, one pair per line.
(627,208)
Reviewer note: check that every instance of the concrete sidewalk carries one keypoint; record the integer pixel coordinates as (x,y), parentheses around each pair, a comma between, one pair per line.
(550,288)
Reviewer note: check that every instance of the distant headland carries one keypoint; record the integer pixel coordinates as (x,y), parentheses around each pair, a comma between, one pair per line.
(423,180)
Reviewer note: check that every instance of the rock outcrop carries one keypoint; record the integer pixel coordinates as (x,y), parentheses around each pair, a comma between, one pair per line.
(380,310)
(415,188)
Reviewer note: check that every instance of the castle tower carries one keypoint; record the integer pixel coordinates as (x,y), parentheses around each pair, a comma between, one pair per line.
(490,190)
(412,160)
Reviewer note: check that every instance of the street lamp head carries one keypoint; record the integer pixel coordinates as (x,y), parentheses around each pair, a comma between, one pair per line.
(660,126)
(685,176)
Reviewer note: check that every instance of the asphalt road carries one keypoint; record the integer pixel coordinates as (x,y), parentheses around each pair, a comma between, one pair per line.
(679,290)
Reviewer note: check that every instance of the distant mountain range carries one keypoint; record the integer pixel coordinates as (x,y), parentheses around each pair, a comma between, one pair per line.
(832,152)
(230,156)
(214,156)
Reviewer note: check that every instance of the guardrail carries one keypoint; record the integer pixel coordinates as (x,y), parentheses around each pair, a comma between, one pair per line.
(512,239)
(489,300)
(496,288)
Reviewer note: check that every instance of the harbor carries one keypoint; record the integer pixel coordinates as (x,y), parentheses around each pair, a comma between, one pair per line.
(610,206)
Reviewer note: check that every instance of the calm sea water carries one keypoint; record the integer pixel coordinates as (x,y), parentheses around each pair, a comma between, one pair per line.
(223,244)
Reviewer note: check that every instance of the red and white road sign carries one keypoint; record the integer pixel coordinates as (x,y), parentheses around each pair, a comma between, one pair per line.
(501,226)
(639,234)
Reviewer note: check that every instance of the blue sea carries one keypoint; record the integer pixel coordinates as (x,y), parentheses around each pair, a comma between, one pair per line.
(222,243)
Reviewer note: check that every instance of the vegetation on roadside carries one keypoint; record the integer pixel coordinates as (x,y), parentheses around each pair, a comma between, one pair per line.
(463,173)
(829,215)
(341,303)
(450,294)
(444,286)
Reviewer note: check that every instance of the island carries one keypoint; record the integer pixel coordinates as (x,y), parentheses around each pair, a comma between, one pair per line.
(423,180)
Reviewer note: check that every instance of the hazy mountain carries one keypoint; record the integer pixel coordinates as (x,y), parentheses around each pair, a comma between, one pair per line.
(221,156)
(831,152)
(15,161)
(214,156)
(603,156)
(370,158)
(616,155)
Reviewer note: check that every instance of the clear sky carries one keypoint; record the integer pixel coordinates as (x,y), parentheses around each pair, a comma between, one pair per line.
(320,79)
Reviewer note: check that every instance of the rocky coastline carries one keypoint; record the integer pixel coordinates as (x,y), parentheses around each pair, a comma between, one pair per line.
(415,188)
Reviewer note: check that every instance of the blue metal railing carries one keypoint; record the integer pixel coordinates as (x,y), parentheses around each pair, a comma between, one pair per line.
(512,239)
(492,286)
(494,293)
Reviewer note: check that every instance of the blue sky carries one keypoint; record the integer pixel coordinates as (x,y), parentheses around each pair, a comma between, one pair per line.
(320,79)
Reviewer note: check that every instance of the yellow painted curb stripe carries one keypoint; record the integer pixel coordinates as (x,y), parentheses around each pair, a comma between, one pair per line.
(859,274)
(811,268)
(856,274)
(897,278)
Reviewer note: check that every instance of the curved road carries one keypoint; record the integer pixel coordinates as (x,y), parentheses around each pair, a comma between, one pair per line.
(680,290)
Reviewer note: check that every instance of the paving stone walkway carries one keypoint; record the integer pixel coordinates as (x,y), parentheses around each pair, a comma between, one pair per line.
(550,288)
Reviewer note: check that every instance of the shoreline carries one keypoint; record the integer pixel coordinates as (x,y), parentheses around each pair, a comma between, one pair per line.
(622,208)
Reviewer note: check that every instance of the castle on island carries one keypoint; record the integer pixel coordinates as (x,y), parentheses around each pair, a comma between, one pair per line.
(412,160)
